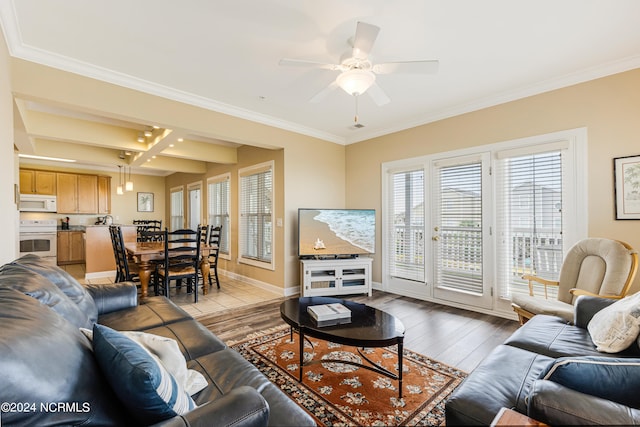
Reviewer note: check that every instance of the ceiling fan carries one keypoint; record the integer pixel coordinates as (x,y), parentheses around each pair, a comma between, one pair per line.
(358,73)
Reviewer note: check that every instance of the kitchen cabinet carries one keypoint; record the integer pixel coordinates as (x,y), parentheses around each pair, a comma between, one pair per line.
(37,182)
(71,247)
(104,194)
(77,193)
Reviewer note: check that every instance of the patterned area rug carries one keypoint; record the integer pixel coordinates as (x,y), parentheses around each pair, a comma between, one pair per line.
(344,395)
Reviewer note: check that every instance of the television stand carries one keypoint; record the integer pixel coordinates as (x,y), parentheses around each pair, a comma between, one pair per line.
(338,276)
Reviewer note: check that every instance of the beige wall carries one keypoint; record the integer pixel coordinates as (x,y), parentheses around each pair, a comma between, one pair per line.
(247,156)
(8,169)
(608,107)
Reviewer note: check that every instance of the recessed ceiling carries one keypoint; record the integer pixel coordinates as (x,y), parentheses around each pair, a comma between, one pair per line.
(224,55)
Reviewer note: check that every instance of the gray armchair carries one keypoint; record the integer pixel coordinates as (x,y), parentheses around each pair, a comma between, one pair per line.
(592,267)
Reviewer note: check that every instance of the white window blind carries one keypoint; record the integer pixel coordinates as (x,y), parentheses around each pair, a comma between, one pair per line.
(529,201)
(256,213)
(406,233)
(458,215)
(177,208)
(218,208)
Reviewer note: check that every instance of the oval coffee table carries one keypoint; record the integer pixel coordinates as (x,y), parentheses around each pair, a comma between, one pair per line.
(369,327)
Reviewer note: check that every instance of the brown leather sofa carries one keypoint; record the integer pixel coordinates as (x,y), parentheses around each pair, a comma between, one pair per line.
(50,376)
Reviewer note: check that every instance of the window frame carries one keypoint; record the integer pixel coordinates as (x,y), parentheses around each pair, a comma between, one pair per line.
(243,173)
(224,215)
(178,189)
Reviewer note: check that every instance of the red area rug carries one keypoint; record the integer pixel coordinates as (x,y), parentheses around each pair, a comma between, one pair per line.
(338,394)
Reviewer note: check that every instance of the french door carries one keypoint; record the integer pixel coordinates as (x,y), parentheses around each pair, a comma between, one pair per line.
(460,231)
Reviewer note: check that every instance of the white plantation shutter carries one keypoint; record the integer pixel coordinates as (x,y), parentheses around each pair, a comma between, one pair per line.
(218,208)
(177,208)
(256,214)
(530,199)
(458,249)
(406,228)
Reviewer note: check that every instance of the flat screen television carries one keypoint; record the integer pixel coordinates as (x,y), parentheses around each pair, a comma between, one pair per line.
(334,233)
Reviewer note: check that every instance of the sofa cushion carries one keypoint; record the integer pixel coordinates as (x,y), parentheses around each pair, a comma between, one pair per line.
(44,359)
(616,327)
(502,380)
(42,289)
(616,379)
(64,281)
(553,337)
(154,312)
(139,379)
(193,338)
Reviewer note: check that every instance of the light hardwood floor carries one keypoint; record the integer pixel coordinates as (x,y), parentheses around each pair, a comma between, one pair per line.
(456,337)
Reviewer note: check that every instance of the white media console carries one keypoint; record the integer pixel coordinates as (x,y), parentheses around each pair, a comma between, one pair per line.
(328,277)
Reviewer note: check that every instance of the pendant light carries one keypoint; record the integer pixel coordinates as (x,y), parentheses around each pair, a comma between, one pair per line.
(128,186)
(119,191)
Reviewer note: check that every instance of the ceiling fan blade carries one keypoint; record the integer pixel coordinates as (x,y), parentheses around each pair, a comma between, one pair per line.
(407,67)
(324,92)
(378,95)
(363,41)
(309,64)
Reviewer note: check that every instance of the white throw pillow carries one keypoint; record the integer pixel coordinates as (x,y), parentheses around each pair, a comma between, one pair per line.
(166,350)
(614,328)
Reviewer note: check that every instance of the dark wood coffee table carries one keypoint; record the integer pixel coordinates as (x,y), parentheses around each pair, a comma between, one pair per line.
(369,327)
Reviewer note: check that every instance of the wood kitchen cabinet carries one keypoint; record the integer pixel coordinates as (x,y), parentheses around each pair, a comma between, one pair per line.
(104,194)
(71,247)
(37,182)
(77,193)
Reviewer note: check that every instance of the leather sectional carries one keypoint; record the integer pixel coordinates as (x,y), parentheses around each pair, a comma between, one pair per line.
(46,360)
(513,376)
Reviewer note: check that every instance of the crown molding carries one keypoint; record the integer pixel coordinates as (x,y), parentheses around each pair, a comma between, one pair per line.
(585,75)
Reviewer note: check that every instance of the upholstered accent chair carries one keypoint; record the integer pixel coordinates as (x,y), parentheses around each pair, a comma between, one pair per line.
(595,266)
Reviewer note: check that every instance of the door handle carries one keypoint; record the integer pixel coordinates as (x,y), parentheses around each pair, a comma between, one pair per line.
(435,238)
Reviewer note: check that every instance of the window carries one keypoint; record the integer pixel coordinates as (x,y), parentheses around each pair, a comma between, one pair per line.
(482,217)
(530,237)
(406,213)
(218,208)
(458,254)
(256,215)
(177,208)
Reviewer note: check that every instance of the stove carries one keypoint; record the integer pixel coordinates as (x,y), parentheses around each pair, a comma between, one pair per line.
(38,236)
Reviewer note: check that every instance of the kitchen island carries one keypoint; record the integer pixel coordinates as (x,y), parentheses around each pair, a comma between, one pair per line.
(99,259)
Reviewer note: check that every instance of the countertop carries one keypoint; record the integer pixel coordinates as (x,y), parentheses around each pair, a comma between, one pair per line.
(72,228)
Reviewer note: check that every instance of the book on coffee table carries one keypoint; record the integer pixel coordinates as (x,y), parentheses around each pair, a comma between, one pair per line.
(325,312)
(332,322)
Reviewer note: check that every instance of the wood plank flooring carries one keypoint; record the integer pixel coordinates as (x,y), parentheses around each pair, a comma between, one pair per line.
(453,336)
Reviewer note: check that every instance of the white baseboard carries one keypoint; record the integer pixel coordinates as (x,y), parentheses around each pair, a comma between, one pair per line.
(100,275)
(286,292)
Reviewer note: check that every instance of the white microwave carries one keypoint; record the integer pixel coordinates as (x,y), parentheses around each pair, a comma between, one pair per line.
(37,203)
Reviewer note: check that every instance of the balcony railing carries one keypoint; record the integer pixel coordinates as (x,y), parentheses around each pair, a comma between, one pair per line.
(461,256)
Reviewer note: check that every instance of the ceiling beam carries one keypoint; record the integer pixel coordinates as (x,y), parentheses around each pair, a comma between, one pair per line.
(60,128)
(163,163)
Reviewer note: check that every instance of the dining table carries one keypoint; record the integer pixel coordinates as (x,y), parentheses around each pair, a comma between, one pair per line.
(145,253)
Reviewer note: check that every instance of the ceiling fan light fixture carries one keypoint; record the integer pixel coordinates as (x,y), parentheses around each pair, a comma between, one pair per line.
(356,82)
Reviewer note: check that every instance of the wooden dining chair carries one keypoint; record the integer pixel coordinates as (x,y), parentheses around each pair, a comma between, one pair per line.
(125,271)
(214,251)
(181,261)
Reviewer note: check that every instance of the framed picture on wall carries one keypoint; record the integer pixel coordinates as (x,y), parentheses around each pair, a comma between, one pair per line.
(627,187)
(145,202)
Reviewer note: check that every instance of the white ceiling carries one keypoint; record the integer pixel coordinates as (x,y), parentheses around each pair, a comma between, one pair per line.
(223,55)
